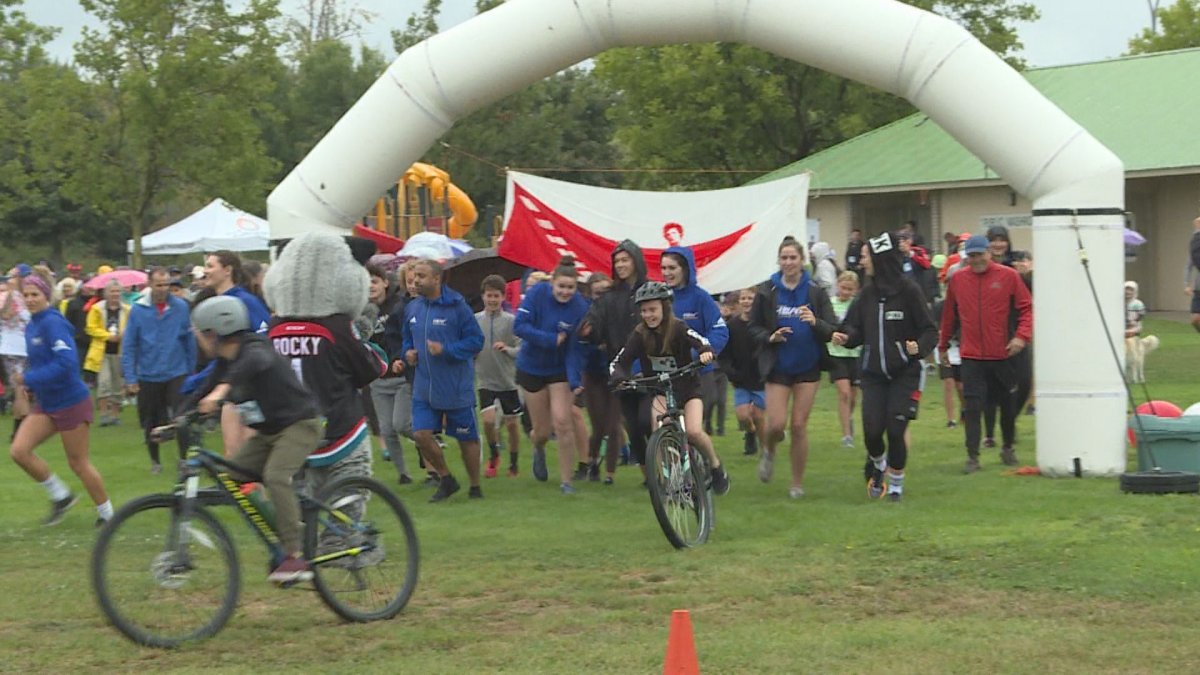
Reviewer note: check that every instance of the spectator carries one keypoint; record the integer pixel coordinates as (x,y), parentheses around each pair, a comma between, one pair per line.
(854,253)
(825,270)
(106,327)
(1192,274)
(979,301)
(14,317)
(158,350)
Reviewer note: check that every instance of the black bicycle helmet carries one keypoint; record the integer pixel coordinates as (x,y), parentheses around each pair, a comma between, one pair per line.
(222,314)
(653,290)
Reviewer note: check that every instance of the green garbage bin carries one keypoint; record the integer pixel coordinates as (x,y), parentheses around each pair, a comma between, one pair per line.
(1175,442)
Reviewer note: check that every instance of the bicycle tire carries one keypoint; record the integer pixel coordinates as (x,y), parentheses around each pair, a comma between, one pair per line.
(171,592)
(340,581)
(680,498)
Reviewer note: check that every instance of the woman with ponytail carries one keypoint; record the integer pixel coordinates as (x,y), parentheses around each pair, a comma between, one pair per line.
(547,321)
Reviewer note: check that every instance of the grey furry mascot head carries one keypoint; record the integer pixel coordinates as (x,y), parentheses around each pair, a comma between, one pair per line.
(316,275)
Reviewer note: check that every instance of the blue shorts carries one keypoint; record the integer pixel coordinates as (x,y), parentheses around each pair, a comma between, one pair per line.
(745,396)
(459,422)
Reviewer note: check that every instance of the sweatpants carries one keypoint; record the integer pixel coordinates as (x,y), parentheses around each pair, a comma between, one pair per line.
(157,403)
(278,457)
(988,379)
(635,411)
(392,398)
(888,405)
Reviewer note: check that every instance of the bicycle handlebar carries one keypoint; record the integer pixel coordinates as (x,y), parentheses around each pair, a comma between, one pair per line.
(659,380)
(168,431)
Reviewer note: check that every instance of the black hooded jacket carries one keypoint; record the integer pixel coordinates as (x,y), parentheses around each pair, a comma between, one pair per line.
(614,316)
(889,311)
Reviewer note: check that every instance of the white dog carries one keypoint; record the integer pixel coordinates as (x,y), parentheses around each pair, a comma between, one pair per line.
(1136,349)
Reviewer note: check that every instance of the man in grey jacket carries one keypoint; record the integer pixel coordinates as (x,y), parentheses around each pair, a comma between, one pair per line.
(496,373)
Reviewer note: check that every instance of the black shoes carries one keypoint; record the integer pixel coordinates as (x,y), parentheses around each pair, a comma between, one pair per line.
(58,510)
(720,480)
(749,444)
(446,487)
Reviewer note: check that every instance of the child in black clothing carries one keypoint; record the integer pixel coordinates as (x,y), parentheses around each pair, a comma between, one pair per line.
(663,343)
(272,401)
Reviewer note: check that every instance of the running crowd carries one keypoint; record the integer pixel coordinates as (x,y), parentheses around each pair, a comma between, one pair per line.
(538,361)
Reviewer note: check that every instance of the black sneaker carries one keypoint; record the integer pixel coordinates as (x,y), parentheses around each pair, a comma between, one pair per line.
(101,522)
(432,480)
(1008,456)
(989,442)
(59,509)
(894,496)
(608,480)
(951,424)
(720,480)
(594,473)
(447,487)
(749,444)
(875,482)
(405,479)
(581,472)
(475,492)
(539,465)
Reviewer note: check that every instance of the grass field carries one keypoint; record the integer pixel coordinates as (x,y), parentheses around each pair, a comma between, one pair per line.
(981,573)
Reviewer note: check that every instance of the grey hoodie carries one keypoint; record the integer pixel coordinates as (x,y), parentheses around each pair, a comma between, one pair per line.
(496,370)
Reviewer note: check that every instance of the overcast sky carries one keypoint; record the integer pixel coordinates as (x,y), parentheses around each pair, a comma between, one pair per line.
(1070,31)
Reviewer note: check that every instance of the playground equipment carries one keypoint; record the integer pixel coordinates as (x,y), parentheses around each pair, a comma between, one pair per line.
(423,200)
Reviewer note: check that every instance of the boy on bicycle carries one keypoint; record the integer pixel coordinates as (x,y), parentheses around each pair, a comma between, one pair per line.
(662,344)
(271,400)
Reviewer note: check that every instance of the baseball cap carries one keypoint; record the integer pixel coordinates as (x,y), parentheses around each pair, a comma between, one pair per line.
(197,272)
(976,244)
(104,269)
(177,282)
(23,270)
(173,269)
(74,267)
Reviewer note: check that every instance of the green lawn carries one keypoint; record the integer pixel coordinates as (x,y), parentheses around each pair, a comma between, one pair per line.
(979,573)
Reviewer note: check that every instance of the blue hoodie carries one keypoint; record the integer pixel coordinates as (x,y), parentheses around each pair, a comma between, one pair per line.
(52,370)
(801,353)
(260,322)
(697,308)
(539,321)
(157,347)
(445,381)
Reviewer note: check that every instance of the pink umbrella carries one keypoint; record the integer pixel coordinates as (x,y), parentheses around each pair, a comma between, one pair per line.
(126,278)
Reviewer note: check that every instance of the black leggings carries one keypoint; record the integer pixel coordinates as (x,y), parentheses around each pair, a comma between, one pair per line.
(635,411)
(604,410)
(887,408)
(157,403)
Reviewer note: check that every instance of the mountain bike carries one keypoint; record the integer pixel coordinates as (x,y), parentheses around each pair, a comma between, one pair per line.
(165,570)
(677,475)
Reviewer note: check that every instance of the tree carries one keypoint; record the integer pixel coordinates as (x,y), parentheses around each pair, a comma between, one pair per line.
(177,87)
(737,109)
(1180,29)
(21,48)
(418,27)
(324,21)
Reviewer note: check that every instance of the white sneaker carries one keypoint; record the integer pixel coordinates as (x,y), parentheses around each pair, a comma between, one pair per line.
(795,492)
(766,467)
(847,441)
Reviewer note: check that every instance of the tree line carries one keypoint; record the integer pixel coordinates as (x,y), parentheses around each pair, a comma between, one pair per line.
(169,104)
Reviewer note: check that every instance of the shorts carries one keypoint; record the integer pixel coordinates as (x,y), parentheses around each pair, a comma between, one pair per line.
(786,380)
(110,382)
(458,422)
(755,397)
(510,401)
(950,372)
(1196,302)
(844,368)
(535,383)
(901,395)
(68,418)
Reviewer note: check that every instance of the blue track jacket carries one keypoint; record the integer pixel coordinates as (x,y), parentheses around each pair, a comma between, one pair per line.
(539,321)
(697,308)
(445,381)
(52,369)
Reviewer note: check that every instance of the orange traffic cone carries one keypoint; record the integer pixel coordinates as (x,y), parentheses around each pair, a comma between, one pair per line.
(681,648)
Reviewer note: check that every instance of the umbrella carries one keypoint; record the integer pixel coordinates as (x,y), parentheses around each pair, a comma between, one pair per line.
(433,246)
(1133,238)
(465,273)
(127,278)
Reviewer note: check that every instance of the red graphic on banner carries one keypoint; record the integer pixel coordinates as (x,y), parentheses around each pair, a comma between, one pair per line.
(538,237)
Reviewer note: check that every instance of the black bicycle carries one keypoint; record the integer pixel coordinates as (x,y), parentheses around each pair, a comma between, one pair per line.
(165,570)
(677,475)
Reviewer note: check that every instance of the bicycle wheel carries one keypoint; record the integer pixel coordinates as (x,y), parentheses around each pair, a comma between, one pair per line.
(363,548)
(160,580)
(677,490)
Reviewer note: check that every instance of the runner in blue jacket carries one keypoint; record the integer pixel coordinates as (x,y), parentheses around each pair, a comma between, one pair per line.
(441,339)
(547,321)
(60,404)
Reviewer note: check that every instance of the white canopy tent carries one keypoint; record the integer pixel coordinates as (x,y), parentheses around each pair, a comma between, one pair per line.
(217,226)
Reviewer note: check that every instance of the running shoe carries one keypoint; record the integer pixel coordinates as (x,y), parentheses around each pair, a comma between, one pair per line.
(766,467)
(972,465)
(594,473)
(876,484)
(795,492)
(989,442)
(951,424)
(749,444)
(1008,456)
(567,489)
(581,472)
(608,480)
(476,492)
(492,465)
(847,441)
(894,496)
(539,464)
(447,486)
(290,571)
(720,480)
(513,471)
(405,479)
(58,510)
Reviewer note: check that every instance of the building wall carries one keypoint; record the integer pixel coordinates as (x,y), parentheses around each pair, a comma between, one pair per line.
(1170,206)
(965,210)
(834,213)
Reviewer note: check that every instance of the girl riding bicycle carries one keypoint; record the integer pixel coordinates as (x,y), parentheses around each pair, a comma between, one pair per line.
(664,343)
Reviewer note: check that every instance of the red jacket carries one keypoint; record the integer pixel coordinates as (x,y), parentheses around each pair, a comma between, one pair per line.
(978,306)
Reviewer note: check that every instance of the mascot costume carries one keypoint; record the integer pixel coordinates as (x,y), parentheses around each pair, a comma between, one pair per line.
(317,289)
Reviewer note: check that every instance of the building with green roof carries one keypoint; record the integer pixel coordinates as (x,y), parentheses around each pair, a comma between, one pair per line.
(1145,108)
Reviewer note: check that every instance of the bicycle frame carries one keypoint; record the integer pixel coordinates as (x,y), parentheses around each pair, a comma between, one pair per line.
(200,461)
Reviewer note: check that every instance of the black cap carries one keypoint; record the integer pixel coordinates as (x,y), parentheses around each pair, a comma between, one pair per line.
(174,270)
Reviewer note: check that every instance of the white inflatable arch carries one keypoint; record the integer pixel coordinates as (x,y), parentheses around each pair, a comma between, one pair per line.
(1072,180)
